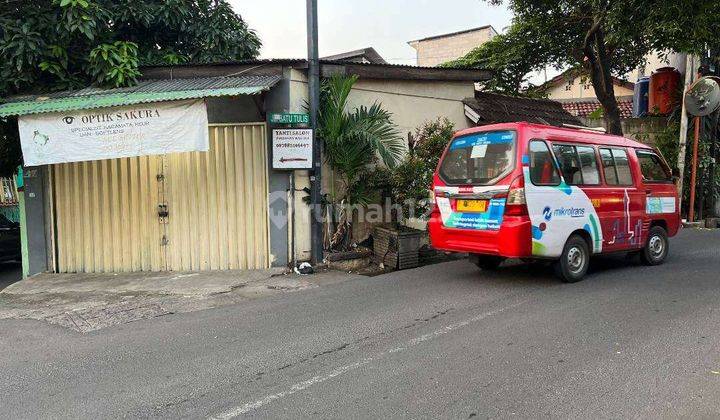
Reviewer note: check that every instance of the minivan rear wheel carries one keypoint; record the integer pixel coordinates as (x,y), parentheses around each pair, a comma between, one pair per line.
(487,262)
(656,248)
(574,260)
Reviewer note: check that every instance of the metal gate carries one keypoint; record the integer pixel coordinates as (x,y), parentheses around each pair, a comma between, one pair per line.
(183,211)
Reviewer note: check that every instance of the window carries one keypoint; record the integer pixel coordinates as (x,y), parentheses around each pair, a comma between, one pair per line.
(653,169)
(479,158)
(569,165)
(578,164)
(542,165)
(588,165)
(616,167)
(611,176)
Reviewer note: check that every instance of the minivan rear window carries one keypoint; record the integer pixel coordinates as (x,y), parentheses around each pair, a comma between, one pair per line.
(479,158)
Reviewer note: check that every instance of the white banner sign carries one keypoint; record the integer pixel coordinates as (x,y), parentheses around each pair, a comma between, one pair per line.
(292,148)
(108,133)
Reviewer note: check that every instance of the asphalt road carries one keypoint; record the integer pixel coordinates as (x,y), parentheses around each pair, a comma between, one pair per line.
(444,341)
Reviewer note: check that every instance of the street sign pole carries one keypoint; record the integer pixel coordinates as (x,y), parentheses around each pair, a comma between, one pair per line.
(316,227)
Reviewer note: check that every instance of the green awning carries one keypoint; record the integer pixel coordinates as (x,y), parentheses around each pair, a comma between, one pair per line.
(144,92)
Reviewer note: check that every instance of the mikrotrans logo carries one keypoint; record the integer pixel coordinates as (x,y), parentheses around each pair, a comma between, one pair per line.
(569,211)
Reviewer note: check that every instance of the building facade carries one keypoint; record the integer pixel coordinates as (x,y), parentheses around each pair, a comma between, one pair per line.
(438,49)
(224,208)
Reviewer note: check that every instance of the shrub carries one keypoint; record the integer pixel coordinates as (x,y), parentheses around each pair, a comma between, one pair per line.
(411,180)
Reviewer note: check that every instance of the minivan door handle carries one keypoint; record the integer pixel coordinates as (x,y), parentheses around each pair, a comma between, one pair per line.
(648,192)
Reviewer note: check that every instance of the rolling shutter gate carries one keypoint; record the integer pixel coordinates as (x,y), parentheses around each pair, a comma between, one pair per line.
(179,212)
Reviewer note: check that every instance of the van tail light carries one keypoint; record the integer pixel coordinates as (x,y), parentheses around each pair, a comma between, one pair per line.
(515,204)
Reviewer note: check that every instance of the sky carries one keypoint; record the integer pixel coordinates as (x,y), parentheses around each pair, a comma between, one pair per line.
(346,25)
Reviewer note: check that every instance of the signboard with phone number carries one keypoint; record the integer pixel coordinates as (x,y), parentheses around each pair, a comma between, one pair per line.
(292,148)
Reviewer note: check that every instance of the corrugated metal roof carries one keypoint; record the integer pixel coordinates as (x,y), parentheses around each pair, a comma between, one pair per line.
(494,108)
(144,92)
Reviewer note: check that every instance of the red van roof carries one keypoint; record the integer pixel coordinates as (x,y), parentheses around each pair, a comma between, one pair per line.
(558,133)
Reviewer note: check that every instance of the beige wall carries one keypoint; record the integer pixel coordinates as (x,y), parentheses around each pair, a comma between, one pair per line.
(435,51)
(580,88)
(583,88)
(414,102)
(411,103)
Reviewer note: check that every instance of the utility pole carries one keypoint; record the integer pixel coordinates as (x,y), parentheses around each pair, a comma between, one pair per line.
(689,78)
(316,226)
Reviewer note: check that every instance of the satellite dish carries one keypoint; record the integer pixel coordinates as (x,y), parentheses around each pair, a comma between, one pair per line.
(703,97)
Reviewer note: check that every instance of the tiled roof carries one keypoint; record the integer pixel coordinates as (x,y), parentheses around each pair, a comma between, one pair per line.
(584,108)
(491,108)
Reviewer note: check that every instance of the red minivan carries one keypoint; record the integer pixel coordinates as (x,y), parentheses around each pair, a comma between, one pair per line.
(530,191)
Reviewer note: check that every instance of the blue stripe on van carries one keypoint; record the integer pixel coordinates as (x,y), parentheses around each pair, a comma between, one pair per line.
(493,137)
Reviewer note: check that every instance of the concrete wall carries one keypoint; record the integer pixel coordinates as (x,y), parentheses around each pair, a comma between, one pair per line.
(435,51)
(644,130)
(297,100)
(414,102)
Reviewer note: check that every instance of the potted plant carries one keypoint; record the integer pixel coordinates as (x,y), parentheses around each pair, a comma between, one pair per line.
(353,141)
(397,245)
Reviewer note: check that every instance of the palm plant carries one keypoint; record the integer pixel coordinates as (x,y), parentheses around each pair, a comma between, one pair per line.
(352,141)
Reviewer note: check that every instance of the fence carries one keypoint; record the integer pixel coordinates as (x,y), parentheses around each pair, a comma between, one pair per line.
(9,192)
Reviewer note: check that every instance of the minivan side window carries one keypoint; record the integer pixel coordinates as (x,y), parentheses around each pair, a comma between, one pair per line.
(578,164)
(542,165)
(588,165)
(616,166)
(652,167)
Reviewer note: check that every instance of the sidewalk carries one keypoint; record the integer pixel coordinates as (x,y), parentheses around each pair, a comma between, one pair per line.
(89,302)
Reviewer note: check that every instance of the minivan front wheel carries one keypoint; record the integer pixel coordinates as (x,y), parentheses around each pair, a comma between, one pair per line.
(656,248)
(574,260)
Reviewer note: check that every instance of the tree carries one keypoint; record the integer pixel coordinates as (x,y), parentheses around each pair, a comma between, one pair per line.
(48,45)
(511,59)
(603,38)
(352,141)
